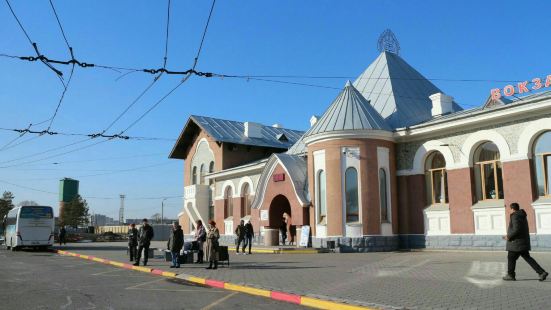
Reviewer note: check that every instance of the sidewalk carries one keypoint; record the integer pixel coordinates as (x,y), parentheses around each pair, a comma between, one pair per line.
(418,280)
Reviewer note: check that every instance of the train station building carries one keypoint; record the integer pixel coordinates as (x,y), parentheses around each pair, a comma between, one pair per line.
(393,162)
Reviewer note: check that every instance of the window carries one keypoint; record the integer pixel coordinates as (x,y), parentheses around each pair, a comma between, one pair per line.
(245,200)
(351,193)
(228,202)
(383,195)
(202,174)
(436,179)
(211,170)
(194,175)
(211,212)
(488,172)
(322,199)
(542,163)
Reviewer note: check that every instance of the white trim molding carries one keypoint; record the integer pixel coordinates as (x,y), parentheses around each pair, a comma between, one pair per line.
(479,137)
(529,135)
(424,150)
(350,134)
(242,181)
(542,212)
(489,220)
(437,221)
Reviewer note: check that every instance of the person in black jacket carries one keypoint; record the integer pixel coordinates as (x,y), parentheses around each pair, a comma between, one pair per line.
(62,235)
(249,235)
(175,244)
(518,244)
(132,241)
(145,234)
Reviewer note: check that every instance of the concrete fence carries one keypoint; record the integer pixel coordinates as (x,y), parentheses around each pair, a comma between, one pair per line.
(161,231)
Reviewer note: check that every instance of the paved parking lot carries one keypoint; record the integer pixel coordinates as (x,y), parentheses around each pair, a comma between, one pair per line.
(412,280)
(39,280)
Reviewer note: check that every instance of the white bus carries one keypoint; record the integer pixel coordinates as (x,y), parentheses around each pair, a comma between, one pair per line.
(29,226)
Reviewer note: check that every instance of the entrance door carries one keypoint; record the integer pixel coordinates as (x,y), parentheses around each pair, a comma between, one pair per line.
(279,205)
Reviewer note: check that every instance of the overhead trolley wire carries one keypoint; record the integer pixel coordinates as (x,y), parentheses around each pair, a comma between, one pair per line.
(195,62)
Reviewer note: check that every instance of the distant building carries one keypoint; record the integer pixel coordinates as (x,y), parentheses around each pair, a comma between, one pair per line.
(101,220)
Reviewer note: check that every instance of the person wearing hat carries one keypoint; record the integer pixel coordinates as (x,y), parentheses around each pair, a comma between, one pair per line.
(175,243)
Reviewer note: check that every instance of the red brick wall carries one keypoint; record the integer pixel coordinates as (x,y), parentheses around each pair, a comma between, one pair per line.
(518,186)
(461,197)
(412,202)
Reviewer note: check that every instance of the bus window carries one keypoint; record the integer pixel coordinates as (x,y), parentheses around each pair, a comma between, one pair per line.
(36,213)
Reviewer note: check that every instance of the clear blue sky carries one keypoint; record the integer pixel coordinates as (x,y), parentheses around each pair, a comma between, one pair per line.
(489,40)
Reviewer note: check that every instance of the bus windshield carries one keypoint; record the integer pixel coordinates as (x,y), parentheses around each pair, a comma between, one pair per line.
(36,213)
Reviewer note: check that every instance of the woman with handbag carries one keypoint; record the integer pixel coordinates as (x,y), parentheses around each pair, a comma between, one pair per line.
(211,245)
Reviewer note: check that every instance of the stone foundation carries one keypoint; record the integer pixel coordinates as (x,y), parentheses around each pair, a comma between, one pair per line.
(469,242)
(359,244)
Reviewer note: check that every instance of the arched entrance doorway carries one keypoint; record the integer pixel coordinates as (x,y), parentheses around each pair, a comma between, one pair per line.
(279,205)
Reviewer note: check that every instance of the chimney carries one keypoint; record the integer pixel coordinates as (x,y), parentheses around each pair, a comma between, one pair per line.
(441,104)
(253,130)
(313,120)
(277,125)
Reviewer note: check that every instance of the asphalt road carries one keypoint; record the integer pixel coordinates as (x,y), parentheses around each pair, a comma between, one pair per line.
(42,280)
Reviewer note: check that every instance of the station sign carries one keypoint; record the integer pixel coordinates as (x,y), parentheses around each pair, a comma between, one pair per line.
(521,87)
(279,177)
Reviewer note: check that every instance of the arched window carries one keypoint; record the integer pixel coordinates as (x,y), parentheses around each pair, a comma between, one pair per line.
(383,195)
(245,200)
(488,172)
(436,179)
(211,170)
(202,174)
(194,175)
(228,202)
(321,198)
(542,163)
(351,192)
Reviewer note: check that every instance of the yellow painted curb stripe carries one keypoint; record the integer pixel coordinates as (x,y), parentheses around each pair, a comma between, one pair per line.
(114,263)
(99,260)
(247,290)
(84,256)
(322,304)
(138,268)
(196,280)
(169,274)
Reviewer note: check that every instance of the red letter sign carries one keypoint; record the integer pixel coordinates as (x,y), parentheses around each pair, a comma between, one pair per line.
(509,90)
(537,84)
(522,87)
(496,93)
(548,81)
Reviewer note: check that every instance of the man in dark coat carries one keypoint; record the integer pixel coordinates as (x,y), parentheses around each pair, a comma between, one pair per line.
(145,234)
(62,235)
(132,241)
(175,244)
(249,235)
(518,244)
(240,233)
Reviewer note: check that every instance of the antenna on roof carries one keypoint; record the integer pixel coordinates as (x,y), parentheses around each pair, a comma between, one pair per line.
(388,43)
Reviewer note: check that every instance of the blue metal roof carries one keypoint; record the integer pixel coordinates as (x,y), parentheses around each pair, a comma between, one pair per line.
(233,132)
(349,111)
(397,91)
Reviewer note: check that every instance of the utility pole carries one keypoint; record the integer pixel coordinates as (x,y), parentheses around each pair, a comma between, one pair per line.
(121,210)
(163,210)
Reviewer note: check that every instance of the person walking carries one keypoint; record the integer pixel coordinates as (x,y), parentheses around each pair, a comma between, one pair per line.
(200,238)
(211,245)
(518,244)
(132,241)
(283,231)
(249,235)
(62,235)
(175,243)
(145,234)
(240,233)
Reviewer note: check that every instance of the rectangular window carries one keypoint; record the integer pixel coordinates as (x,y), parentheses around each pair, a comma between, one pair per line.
(36,213)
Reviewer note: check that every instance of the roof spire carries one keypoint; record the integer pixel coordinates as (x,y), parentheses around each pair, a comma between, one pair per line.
(348,83)
(388,43)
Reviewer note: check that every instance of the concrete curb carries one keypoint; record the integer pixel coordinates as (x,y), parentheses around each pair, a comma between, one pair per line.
(276,295)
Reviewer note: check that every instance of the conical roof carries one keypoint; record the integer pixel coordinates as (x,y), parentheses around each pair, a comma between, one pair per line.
(397,91)
(349,111)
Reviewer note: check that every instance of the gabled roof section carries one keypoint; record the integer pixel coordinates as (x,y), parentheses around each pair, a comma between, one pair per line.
(227,131)
(491,103)
(349,111)
(397,91)
(296,169)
